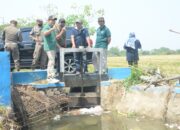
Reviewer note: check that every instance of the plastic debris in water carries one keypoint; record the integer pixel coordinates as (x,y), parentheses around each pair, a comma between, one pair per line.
(97,110)
(57,117)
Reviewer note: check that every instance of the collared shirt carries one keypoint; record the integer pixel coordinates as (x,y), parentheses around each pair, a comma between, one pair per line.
(49,40)
(12,34)
(36,32)
(102,35)
(80,36)
(62,39)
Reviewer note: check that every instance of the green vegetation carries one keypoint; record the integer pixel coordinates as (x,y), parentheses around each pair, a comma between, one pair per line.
(134,78)
(86,13)
(168,64)
(115,51)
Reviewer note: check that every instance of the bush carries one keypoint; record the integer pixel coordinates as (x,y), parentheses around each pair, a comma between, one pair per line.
(134,78)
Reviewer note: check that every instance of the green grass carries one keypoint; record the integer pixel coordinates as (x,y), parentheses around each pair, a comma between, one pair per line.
(168,64)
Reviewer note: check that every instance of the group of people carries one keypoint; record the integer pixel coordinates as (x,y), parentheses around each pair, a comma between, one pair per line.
(50,37)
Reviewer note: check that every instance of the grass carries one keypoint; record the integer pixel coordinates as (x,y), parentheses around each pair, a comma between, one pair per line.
(168,64)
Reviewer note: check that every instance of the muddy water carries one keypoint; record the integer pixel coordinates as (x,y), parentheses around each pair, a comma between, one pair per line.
(105,122)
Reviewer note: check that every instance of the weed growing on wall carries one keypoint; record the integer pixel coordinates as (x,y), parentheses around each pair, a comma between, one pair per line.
(134,78)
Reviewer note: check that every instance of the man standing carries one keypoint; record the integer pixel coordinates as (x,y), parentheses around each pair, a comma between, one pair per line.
(50,43)
(11,36)
(61,36)
(103,39)
(61,40)
(132,45)
(39,53)
(80,38)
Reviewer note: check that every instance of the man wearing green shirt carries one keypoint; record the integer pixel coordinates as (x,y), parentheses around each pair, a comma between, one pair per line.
(103,39)
(50,44)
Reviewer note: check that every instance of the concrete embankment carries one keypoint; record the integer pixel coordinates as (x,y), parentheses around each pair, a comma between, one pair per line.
(156,102)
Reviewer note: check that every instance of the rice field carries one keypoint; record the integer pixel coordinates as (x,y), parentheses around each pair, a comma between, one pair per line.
(168,64)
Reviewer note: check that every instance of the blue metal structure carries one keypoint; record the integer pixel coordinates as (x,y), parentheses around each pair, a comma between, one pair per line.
(5,90)
(24,78)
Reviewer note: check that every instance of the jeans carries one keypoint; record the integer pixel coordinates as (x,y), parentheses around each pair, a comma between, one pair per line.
(81,61)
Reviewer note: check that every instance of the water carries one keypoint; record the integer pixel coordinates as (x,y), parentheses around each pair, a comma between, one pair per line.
(108,121)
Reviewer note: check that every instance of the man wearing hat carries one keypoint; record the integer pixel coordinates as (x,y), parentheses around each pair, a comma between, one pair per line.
(80,38)
(50,44)
(11,36)
(61,37)
(39,53)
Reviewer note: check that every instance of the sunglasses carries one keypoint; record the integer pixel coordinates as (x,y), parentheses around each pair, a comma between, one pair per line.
(101,21)
(62,21)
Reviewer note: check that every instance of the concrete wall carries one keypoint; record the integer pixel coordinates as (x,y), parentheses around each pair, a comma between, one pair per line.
(161,102)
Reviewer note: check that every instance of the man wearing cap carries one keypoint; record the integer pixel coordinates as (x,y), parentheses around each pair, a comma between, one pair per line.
(61,39)
(80,37)
(39,53)
(50,43)
(11,36)
(61,36)
(103,39)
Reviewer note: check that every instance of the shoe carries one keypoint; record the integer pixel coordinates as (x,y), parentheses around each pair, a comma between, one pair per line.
(33,67)
(52,80)
(56,74)
(17,70)
(77,72)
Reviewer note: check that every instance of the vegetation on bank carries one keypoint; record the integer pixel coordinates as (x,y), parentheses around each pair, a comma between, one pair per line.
(134,78)
(168,64)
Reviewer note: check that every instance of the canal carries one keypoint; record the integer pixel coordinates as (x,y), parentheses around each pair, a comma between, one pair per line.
(108,121)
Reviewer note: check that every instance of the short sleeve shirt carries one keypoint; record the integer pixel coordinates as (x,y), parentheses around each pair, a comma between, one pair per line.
(49,40)
(102,35)
(80,36)
(62,39)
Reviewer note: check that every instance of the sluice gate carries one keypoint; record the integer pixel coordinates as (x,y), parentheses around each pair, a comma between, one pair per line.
(36,101)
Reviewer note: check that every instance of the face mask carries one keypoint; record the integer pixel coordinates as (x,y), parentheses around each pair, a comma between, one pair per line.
(40,25)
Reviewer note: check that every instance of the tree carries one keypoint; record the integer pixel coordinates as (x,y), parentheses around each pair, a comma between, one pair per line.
(86,13)
(114,51)
(162,51)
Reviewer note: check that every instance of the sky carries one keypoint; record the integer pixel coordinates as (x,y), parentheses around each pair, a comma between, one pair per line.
(149,19)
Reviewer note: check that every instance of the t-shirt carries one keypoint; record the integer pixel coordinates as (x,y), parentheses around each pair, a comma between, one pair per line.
(62,39)
(80,36)
(49,40)
(102,35)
